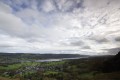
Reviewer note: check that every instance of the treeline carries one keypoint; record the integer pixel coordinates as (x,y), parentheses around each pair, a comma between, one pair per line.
(18,57)
(30,55)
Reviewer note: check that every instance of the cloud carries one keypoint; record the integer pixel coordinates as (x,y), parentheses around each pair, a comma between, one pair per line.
(47,6)
(77,43)
(100,40)
(113,50)
(117,39)
(12,25)
(88,26)
(74,43)
(86,47)
(5,8)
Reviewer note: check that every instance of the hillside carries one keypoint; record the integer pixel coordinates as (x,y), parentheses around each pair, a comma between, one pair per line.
(112,64)
(18,57)
(91,68)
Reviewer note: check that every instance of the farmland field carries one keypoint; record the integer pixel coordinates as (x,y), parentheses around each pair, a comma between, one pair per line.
(74,69)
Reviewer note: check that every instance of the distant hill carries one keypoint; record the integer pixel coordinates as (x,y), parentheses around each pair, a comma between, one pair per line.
(40,56)
(18,57)
(112,64)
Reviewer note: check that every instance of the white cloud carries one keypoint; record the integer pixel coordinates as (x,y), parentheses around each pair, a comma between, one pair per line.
(11,24)
(81,25)
(47,6)
(5,8)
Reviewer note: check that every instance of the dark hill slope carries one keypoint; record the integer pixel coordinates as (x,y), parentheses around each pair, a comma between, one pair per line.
(113,64)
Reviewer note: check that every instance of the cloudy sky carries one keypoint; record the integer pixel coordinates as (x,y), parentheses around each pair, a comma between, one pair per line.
(65,26)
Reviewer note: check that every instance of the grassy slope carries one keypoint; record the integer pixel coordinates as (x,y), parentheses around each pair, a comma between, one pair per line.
(88,69)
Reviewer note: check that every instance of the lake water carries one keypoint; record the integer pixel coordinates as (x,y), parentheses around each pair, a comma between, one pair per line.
(51,60)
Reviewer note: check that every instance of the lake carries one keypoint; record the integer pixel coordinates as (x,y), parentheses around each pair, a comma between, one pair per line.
(51,60)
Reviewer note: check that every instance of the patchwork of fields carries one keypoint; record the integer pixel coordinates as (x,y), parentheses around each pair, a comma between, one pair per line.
(76,69)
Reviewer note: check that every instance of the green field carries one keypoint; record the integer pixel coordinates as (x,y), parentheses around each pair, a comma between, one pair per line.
(27,69)
(78,69)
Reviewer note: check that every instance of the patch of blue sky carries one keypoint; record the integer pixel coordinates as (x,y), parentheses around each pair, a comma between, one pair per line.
(17,6)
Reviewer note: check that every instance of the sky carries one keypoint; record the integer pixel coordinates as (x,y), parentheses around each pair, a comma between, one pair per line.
(60,26)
